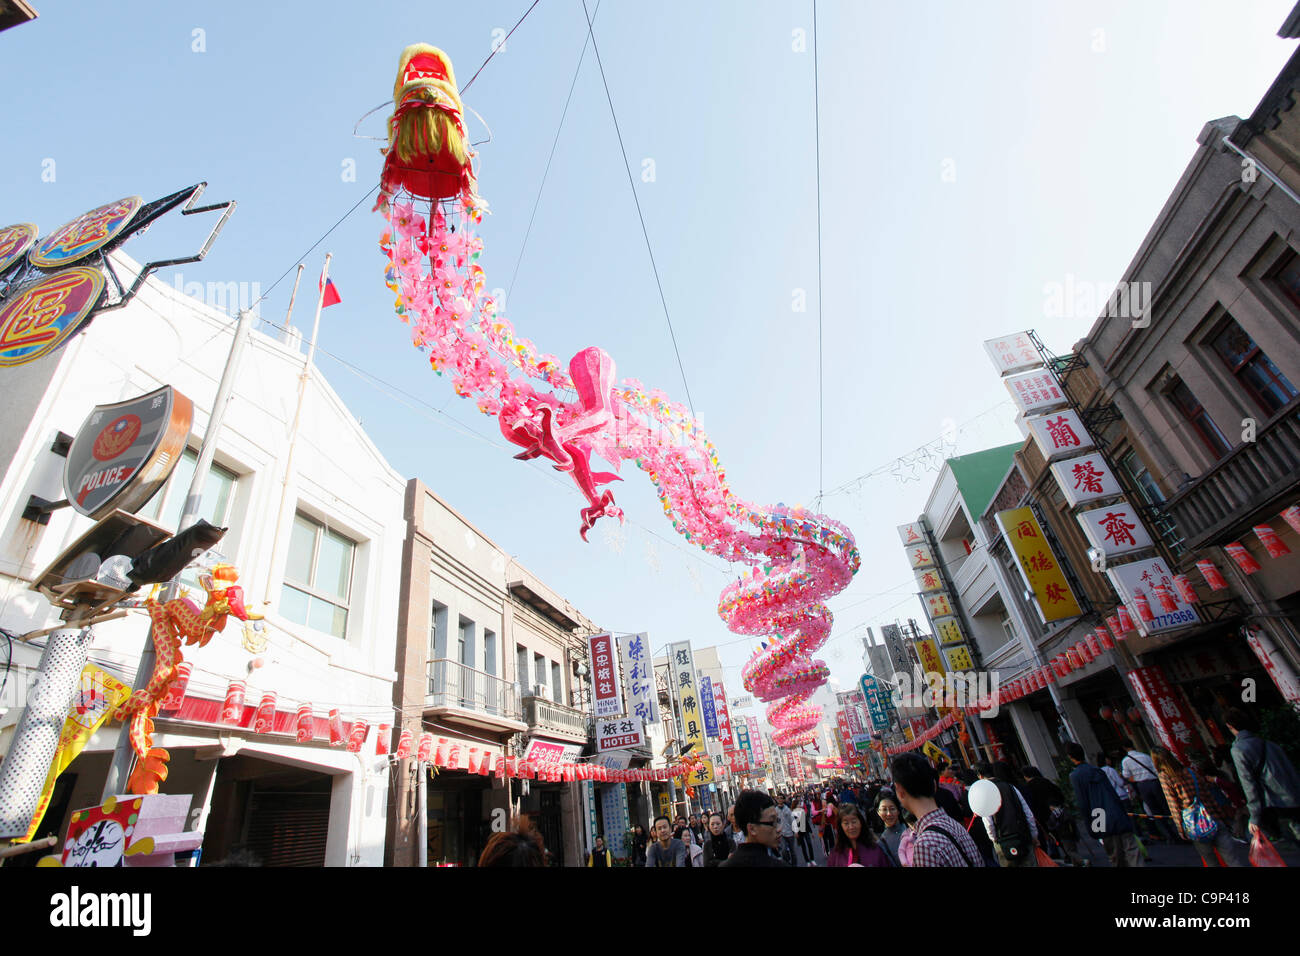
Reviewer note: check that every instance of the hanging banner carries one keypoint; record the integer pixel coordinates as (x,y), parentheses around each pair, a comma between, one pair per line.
(756,741)
(911,534)
(688,702)
(724,715)
(1165,710)
(929,580)
(958,659)
(708,708)
(876,700)
(742,737)
(606,694)
(638,679)
(1038,565)
(931,662)
(98,695)
(948,630)
(1013,353)
(702,774)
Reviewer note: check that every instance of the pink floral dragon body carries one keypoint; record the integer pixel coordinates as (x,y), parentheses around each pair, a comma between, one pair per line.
(798,559)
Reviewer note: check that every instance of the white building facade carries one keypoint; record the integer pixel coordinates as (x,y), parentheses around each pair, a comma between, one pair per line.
(318,551)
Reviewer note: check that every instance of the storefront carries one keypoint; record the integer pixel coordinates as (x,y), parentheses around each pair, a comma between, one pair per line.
(463,791)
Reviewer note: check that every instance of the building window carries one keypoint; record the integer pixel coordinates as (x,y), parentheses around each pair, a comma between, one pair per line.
(1254,370)
(1141,478)
(1182,398)
(539,675)
(1287,279)
(557,683)
(1008,628)
(318,577)
(489,652)
(218,496)
(521,669)
(438,634)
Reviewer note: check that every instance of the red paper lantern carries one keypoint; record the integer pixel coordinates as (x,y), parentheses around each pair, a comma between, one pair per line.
(176,689)
(1095,643)
(1143,607)
(1212,575)
(1292,517)
(500,766)
(485,763)
(1167,603)
(453,756)
(1183,583)
(1134,715)
(357,738)
(404,741)
(440,755)
(1105,712)
(336,729)
(1125,620)
(1272,542)
(512,767)
(426,747)
(1243,558)
(232,711)
(1104,640)
(306,724)
(381,740)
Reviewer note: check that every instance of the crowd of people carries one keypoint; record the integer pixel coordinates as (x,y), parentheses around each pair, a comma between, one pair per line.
(922,815)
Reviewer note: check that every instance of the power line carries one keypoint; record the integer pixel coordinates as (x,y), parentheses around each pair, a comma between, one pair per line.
(498,47)
(640,215)
(821,392)
(556,142)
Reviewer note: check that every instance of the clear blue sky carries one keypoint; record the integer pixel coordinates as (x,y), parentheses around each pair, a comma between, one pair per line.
(1066,126)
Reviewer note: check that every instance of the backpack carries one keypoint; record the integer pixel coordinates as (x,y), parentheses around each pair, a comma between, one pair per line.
(1014,836)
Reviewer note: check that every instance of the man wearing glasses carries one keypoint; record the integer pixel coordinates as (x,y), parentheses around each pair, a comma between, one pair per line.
(757,818)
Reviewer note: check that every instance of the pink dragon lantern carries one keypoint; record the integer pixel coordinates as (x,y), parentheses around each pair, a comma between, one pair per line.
(798,559)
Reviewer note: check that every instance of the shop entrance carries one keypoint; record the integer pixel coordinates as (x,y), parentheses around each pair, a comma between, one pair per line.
(267,814)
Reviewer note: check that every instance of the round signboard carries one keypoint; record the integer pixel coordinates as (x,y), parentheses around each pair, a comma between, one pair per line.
(38,318)
(88,232)
(15,240)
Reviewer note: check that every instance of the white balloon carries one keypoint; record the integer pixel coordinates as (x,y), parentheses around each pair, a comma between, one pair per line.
(984,797)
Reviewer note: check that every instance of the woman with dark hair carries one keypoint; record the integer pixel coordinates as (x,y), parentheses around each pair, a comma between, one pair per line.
(891,815)
(829,825)
(854,843)
(1187,792)
(640,843)
(514,848)
(717,844)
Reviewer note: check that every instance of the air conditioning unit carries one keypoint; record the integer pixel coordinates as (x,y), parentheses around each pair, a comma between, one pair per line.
(539,690)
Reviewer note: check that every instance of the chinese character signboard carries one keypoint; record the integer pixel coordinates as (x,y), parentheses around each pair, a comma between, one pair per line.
(929,581)
(638,680)
(919,557)
(1085,479)
(929,654)
(876,700)
(1038,565)
(949,631)
(702,774)
(740,703)
(1035,392)
(911,534)
(708,707)
(958,659)
(1166,711)
(548,752)
(1013,353)
(742,736)
(756,741)
(606,694)
(724,715)
(938,605)
(619,733)
(688,698)
(1114,529)
(1059,434)
(1147,587)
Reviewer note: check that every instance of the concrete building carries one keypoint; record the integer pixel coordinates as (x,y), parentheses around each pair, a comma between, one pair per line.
(488,658)
(324,550)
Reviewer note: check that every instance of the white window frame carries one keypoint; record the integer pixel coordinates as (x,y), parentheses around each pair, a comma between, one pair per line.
(308,589)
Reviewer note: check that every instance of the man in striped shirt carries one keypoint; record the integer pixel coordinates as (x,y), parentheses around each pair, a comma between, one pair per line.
(940,840)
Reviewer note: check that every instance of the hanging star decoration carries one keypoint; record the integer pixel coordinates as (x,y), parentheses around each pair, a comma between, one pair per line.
(614,536)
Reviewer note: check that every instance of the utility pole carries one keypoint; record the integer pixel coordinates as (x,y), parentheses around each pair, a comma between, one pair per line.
(123,755)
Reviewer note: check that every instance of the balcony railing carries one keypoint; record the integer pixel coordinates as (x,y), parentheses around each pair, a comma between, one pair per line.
(546,715)
(1222,503)
(452,684)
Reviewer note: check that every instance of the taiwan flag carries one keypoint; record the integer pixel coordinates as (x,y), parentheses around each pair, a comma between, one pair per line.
(329,294)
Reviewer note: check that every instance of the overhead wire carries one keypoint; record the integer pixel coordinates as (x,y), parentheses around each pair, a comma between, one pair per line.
(640,215)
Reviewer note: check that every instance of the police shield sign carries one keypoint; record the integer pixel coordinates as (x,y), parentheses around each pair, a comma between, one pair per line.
(125,452)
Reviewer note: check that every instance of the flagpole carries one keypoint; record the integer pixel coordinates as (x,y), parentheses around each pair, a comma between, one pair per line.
(303,378)
(288,317)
